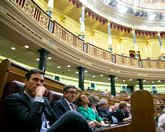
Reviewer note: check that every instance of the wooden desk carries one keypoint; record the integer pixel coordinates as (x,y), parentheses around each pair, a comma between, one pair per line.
(117,128)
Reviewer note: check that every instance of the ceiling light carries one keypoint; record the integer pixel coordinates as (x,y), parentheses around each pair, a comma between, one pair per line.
(130,79)
(101,75)
(58,67)
(26,46)
(13,48)
(86,71)
(151,16)
(68,65)
(76,72)
(122,8)
(123,80)
(93,76)
(141,13)
(37,59)
(49,58)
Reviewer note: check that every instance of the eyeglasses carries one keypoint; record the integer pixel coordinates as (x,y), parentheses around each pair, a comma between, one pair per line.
(72,92)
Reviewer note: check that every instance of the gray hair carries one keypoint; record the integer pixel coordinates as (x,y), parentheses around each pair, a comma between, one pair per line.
(103,101)
(93,100)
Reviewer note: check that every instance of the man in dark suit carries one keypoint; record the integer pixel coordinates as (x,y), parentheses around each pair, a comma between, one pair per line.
(30,111)
(122,114)
(103,111)
(66,104)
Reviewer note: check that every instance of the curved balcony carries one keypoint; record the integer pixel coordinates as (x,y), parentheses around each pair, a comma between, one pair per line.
(27,17)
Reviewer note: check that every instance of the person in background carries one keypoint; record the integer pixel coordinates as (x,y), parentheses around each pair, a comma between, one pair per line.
(61,106)
(122,114)
(129,109)
(103,111)
(30,111)
(88,89)
(87,112)
(106,93)
(160,122)
(65,104)
(93,102)
(116,107)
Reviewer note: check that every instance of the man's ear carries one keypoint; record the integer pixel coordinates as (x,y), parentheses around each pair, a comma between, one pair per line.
(25,81)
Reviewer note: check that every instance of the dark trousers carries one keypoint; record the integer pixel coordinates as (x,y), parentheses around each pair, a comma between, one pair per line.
(70,122)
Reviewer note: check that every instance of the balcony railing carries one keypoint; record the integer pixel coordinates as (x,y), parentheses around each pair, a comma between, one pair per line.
(40,17)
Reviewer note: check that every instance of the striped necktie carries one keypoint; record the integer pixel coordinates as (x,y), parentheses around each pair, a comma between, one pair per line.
(72,106)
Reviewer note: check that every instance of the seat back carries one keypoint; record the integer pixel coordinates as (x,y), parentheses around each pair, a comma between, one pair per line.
(142,109)
(52,95)
(12,87)
(16,87)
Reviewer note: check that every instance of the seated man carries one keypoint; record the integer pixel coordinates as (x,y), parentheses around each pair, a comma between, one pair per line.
(61,106)
(122,114)
(103,111)
(30,111)
(65,104)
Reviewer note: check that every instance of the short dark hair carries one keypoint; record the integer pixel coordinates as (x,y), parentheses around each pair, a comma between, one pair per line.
(66,87)
(122,104)
(33,71)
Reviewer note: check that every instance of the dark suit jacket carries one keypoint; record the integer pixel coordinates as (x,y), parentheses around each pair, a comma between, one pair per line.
(120,115)
(60,107)
(24,116)
(105,114)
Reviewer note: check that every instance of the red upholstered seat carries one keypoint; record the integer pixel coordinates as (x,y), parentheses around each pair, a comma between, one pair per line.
(52,95)
(12,87)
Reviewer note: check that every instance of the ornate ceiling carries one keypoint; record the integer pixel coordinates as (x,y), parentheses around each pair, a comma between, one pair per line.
(145,15)
(157,5)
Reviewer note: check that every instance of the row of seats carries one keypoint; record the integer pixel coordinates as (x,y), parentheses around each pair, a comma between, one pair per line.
(141,102)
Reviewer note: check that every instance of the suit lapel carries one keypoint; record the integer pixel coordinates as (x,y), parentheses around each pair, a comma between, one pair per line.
(65,105)
(47,109)
(29,103)
(26,99)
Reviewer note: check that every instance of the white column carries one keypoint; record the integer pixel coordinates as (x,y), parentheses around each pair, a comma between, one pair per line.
(82,22)
(160,42)
(109,37)
(135,45)
(50,7)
